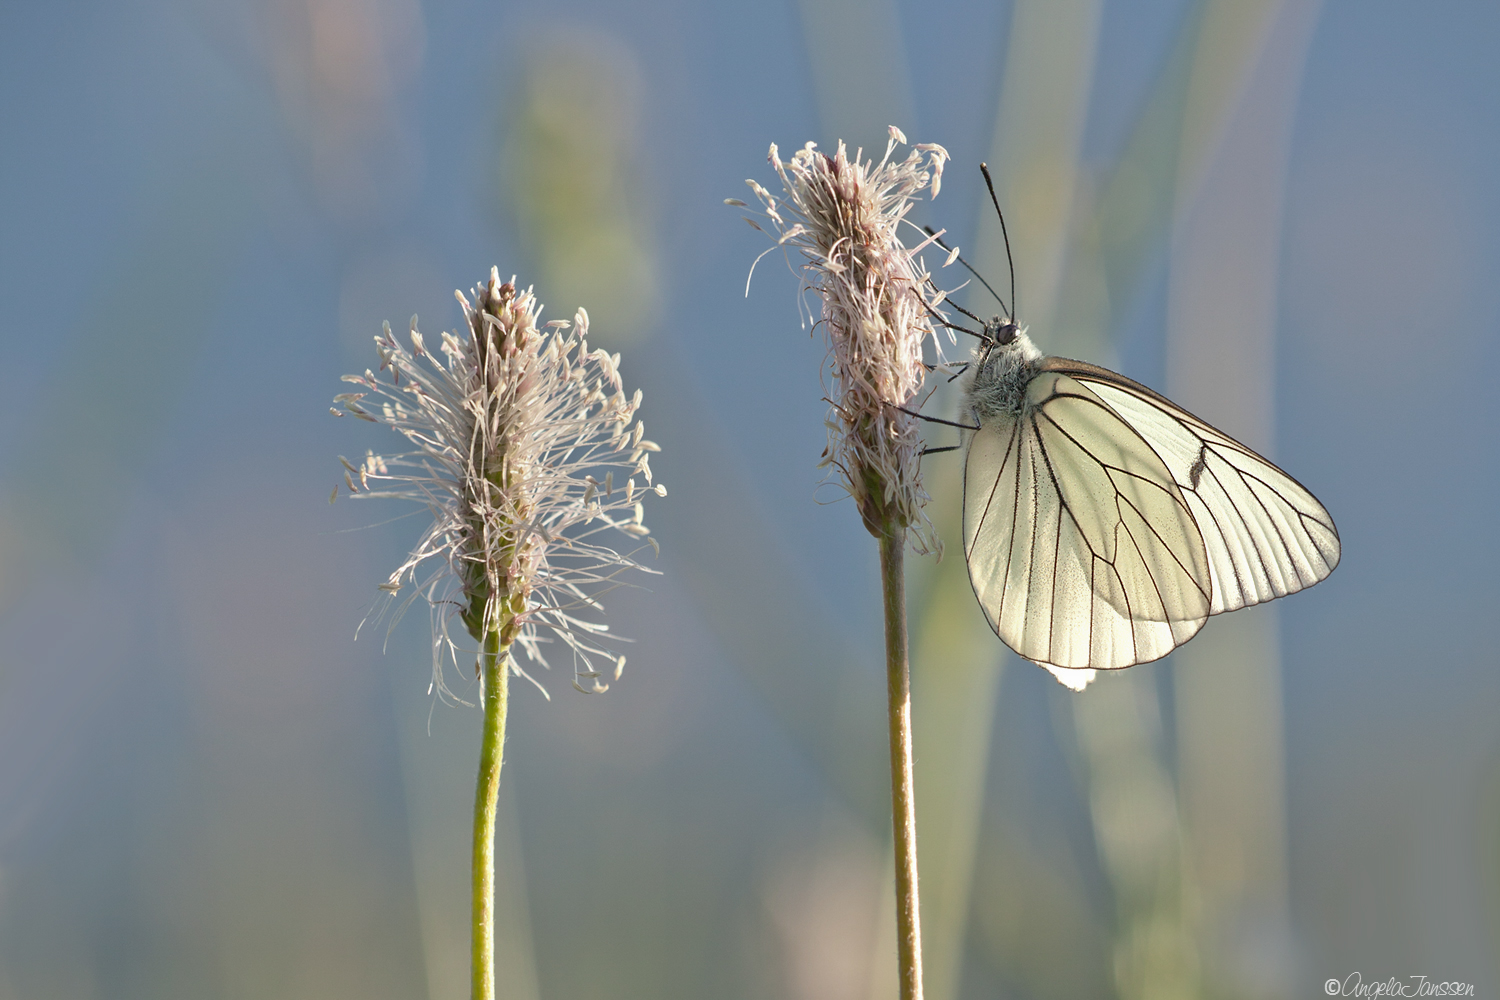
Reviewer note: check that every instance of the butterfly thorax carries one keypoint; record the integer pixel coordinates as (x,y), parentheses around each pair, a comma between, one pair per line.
(1003,367)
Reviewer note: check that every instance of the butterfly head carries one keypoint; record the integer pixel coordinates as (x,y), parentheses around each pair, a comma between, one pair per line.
(1004,364)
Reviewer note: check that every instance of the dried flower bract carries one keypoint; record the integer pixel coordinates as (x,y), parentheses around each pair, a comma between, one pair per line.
(877,309)
(525,449)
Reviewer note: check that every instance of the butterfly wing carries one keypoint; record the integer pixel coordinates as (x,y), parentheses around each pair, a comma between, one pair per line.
(1265,534)
(1082,551)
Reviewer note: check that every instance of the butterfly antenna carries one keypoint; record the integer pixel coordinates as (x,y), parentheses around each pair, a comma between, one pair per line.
(985,169)
(939,240)
(955,326)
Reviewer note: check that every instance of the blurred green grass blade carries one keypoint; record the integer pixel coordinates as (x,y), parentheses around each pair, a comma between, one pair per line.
(957,662)
(130,342)
(859,68)
(793,653)
(569,175)
(777,633)
(1221,349)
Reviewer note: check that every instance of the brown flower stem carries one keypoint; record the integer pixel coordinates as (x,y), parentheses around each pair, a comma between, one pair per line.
(903,804)
(495,671)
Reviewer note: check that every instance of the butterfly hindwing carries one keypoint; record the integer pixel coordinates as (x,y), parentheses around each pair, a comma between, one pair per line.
(1082,550)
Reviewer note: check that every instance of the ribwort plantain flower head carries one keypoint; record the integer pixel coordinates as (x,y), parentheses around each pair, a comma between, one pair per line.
(526,449)
(877,310)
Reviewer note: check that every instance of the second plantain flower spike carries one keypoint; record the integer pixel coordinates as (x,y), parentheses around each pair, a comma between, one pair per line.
(877,310)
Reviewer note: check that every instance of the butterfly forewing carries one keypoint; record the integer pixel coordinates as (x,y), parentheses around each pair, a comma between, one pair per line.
(1265,534)
(1081,549)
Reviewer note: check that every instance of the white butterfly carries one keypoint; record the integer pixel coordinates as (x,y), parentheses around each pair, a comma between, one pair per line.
(1103,523)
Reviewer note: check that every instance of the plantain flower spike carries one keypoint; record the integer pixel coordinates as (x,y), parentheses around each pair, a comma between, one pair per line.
(878,304)
(526,449)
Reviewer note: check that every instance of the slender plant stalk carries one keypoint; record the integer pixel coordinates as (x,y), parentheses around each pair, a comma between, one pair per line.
(495,675)
(903,803)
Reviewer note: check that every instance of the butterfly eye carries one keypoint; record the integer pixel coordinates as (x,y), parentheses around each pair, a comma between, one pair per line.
(1000,331)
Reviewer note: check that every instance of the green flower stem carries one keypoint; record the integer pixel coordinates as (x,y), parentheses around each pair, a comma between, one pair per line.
(494,668)
(903,807)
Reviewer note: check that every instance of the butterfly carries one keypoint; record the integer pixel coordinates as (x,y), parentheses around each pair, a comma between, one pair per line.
(1103,524)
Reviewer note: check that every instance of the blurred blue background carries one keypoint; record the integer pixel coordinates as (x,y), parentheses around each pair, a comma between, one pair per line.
(1283,214)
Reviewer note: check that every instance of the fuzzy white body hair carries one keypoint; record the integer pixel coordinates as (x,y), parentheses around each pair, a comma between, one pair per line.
(999,376)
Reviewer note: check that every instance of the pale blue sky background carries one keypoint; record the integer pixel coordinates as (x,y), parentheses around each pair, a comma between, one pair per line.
(207,788)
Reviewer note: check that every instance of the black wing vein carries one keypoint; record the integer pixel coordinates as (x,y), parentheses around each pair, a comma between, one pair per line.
(1101,564)
(1265,533)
